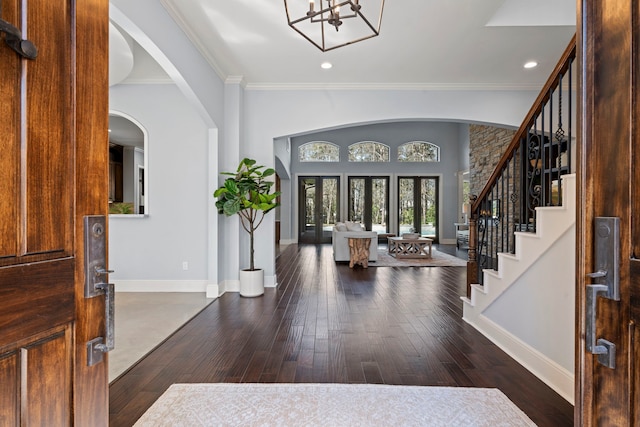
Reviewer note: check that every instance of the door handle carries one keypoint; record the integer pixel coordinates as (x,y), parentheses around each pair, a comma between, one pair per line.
(13,38)
(605,350)
(607,262)
(96,283)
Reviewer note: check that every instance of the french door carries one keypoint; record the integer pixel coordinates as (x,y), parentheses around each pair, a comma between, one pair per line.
(418,205)
(369,202)
(318,209)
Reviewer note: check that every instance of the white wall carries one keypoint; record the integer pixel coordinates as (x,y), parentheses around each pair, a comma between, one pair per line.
(539,308)
(153,247)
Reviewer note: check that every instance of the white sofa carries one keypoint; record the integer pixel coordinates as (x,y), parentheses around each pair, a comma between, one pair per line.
(340,240)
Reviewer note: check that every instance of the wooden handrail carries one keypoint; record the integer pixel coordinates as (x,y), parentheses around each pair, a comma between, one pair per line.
(543,97)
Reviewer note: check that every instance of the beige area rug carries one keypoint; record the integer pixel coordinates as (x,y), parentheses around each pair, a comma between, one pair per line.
(331,405)
(438,259)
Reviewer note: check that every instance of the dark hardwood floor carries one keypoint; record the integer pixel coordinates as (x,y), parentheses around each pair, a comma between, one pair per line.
(328,323)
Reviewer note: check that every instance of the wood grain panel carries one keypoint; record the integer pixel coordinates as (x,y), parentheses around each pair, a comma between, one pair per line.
(9,380)
(91,41)
(9,140)
(49,142)
(612,105)
(604,395)
(47,364)
(35,298)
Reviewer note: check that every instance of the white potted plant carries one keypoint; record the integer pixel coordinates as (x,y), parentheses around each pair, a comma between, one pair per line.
(247,193)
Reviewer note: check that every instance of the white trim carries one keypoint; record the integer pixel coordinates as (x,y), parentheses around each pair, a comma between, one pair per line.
(288,242)
(270,281)
(548,371)
(229,286)
(213,290)
(161,285)
(393,86)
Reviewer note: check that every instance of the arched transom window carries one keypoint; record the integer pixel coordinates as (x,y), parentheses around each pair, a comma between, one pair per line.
(319,151)
(368,151)
(418,151)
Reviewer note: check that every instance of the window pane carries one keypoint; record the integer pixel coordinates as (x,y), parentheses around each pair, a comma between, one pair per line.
(418,151)
(319,151)
(368,151)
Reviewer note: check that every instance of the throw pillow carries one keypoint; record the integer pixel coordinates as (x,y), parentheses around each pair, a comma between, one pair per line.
(354,226)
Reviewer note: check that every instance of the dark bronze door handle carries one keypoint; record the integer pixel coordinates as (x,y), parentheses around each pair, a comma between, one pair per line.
(13,38)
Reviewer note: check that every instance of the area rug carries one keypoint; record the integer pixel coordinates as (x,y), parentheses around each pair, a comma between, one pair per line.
(438,259)
(331,405)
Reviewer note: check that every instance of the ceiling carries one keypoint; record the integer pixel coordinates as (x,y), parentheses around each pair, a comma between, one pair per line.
(423,44)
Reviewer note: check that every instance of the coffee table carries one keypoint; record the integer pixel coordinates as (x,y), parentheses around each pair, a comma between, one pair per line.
(410,248)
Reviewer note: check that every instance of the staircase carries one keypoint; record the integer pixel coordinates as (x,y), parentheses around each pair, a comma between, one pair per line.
(526,307)
(521,267)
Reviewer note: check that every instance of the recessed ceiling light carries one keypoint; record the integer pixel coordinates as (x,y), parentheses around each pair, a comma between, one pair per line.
(326,65)
(531,64)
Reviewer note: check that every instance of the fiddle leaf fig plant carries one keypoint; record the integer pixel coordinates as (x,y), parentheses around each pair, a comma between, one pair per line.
(247,193)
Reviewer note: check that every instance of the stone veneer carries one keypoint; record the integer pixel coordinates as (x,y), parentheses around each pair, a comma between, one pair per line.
(486,146)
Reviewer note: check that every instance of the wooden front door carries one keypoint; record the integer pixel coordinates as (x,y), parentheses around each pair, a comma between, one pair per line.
(609,186)
(53,172)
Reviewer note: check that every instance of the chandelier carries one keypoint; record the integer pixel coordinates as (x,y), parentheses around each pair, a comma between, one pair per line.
(330,24)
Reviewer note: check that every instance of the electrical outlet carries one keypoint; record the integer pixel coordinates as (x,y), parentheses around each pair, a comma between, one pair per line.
(185,265)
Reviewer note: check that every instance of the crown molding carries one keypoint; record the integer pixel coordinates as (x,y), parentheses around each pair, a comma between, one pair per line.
(395,86)
(191,35)
(235,80)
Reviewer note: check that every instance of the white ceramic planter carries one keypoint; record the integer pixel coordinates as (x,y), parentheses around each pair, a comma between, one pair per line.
(251,283)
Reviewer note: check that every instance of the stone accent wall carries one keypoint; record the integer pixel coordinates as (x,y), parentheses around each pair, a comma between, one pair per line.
(486,146)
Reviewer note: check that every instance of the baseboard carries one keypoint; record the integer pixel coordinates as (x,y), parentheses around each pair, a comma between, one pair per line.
(161,285)
(548,371)
(288,241)
(270,281)
(229,286)
(213,290)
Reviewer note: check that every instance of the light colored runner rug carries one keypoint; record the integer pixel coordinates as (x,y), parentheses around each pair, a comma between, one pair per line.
(438,259)
(331,405)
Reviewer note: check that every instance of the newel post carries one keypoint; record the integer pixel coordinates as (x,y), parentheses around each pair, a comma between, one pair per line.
(472,263)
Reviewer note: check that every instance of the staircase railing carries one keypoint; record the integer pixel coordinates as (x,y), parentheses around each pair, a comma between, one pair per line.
(528,175)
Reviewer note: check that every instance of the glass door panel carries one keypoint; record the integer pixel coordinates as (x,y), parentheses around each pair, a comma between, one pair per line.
(428,212)
(329,207)
(356,199)
(380,205)
(406,205)
(307,226)
(318,208)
